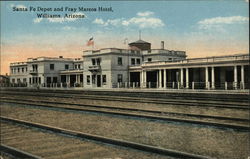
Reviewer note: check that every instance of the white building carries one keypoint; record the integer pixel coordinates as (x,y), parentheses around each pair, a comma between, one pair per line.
(43,71)
(139,66)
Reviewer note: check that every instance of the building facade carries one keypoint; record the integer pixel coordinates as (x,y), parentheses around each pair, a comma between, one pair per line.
(41,71)
(137,67)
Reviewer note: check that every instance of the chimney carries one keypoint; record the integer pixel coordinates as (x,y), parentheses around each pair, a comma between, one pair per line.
(162,45)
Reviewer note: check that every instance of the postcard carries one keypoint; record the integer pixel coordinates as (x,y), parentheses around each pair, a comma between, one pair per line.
(125,79)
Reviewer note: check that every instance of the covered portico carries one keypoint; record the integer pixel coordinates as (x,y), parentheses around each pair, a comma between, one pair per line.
(223,72)
(71,78)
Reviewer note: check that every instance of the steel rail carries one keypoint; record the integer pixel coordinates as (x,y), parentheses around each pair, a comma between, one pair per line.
(129,109)
(143,116)
(177,103)
(105,140)
(17,153)
(149,95)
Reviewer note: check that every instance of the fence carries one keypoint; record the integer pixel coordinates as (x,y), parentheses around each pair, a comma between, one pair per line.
(167,85)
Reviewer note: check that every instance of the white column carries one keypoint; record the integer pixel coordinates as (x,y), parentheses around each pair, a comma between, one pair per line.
(212,77)
(160,79)
(164,79)
(101,79)
(206,77)
(145,79)
(187,78)
(157,79)
(83,80)
(67,80)
(141,78)
(181,77)
(235,77)
(242,77)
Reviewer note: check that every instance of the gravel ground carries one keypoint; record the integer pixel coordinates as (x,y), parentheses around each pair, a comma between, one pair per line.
(151,106)
(243,123)
(5,156)
(49,145)
(188,138)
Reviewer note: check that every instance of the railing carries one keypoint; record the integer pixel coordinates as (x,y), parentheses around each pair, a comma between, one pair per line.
(18,63)
(167,85)
(33,71)
(21,84)
(198,60)
(94,67)
(109,50)
(49,58)
(71,70)
(185,85)
(168,52)
(126,85)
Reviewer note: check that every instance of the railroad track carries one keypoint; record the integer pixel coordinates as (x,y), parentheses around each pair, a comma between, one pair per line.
(50,148)
(239,124)
(242,98)
(232,126)
(187,102)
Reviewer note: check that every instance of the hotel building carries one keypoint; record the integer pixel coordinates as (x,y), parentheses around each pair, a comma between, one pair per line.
(137,67)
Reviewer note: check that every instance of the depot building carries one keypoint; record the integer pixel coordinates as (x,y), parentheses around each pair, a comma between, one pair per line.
(137,67)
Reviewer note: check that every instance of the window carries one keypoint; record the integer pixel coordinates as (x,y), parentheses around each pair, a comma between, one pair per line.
(119,61)
(93,61)
(54,80)
(79,66)
(98,61)
(18,80)
(93,79)
(149,59)
(18,69)
(30,81)
(39,80)
(34,79)
(24,80)
(48,79)
(22,69)
(104,80)
(13,80)
(138,61)
(34,67)
(75,66)
(26,69)
(52,66)
(66,67)
(88,79)
(132,61)
(12,70)
(119,78)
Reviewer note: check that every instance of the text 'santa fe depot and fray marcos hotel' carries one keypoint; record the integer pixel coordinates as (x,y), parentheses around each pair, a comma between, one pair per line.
(136,67)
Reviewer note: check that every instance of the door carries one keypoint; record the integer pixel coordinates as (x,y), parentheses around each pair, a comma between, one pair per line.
(98,81)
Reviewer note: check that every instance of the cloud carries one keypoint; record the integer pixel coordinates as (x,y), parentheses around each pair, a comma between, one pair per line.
(218,22)
(99,21)
(56,20)
(142,20)
(113,22)
(69,18)
(68,28)
(147,13)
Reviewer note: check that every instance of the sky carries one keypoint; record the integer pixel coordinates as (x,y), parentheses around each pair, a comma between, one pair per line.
(201,28)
